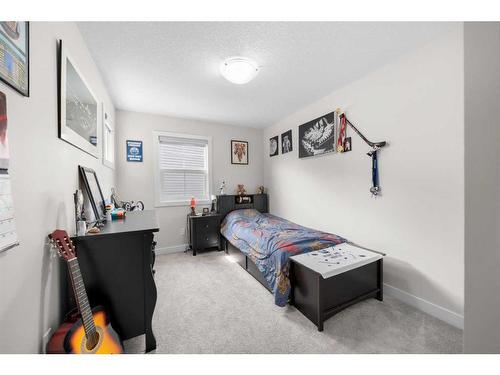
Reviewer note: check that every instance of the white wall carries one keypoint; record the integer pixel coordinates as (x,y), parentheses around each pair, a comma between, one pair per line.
(44,177)
(416,104)
(482,194)
(135,181)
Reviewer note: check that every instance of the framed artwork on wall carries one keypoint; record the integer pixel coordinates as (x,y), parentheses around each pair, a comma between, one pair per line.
(286,142)
(79,109)
(239,152)
(134,151)
(14,55)
(274,146)
(317,136)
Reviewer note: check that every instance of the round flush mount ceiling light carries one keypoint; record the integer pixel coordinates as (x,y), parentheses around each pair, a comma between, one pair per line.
(239,70)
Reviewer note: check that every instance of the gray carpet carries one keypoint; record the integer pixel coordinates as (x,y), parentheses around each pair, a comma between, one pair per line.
(206,304)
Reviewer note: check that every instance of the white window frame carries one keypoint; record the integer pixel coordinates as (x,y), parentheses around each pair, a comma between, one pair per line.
(107,125)
(157,179)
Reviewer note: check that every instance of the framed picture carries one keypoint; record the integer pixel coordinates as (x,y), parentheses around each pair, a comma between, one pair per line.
(4,144)
(286,142)
(273,146)
(134,151)
(15,56)
(239,152)
(79,110)
(347,144)
(317,136)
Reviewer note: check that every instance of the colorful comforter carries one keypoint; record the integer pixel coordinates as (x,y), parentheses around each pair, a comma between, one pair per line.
(269,241)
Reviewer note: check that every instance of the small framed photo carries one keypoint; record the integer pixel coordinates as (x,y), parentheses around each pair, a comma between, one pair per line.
(286,142)
(347,144)
(15,55)
(205,211)
(239,152)
(273,146)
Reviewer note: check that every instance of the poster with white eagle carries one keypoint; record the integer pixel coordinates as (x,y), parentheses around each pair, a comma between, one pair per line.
(317,136)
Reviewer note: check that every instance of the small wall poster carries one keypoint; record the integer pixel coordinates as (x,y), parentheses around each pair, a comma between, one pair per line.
(134,151)
(8,234)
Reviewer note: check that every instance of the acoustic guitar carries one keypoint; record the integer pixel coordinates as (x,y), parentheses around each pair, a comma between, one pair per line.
(87,331)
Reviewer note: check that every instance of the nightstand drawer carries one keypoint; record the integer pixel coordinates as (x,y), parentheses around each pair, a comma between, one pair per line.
(206,239)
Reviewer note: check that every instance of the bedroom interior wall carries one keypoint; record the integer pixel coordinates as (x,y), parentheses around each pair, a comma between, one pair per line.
(135,181)
(416,103)
(482,179)
(44,176)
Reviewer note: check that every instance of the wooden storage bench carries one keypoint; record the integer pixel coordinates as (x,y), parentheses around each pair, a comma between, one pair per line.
(327,281)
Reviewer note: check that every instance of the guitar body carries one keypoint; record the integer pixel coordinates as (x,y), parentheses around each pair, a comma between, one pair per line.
(70,337)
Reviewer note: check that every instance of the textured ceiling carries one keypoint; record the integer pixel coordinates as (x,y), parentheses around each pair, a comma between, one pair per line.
(172,68)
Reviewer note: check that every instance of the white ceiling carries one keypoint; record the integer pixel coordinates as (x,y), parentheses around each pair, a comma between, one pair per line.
(172,68)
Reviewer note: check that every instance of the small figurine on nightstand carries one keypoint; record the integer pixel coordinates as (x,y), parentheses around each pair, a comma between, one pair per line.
(193,206)
(260,190)
(241,190)
(222,189)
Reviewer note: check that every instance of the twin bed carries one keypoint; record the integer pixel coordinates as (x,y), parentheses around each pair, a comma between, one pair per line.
(264,245)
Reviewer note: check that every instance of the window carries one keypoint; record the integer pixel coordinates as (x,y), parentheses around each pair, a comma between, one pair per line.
(182,169)
(108,143)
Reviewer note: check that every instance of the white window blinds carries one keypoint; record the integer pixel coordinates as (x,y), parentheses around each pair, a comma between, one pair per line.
(183,164)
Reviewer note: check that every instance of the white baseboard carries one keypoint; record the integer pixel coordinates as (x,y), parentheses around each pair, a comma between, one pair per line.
(430,308)
(171,249)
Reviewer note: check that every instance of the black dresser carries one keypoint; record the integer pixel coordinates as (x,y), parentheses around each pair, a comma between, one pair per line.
(204,231)
(117,268)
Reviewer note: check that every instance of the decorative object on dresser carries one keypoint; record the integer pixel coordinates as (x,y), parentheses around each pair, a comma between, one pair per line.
(261,190)
(286,142)
(94,193)
(239,152)
(15,62)
(79,109)
(204,232)
(127,206)
(317,136)
(117,266)
(88,331)
(273,146)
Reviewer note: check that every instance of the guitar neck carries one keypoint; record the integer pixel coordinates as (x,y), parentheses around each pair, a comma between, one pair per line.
(82,301)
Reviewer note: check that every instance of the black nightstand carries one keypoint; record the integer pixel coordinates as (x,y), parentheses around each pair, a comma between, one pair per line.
(204,232)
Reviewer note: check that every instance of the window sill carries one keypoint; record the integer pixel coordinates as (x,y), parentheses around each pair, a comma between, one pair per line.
(182,203)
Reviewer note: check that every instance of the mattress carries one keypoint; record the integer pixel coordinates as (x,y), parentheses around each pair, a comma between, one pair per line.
(269,241)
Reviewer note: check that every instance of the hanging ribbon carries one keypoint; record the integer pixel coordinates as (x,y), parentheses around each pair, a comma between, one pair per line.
(340,140)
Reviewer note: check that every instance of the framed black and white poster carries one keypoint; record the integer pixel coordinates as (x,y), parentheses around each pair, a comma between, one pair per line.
(79,109)
(14,55)
(317,137)
(286,142)
(273,146)
(239,152)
